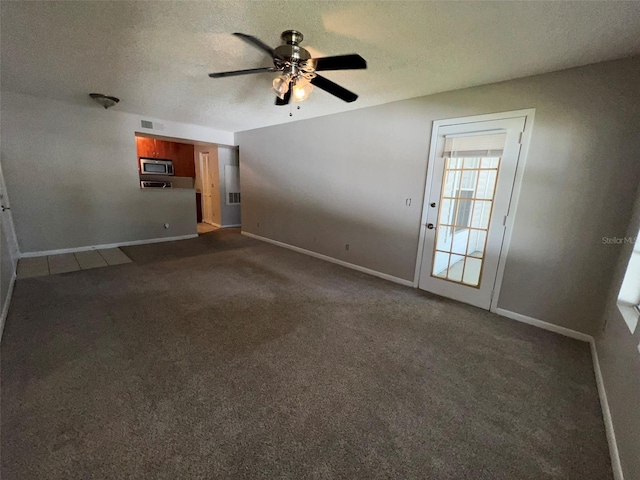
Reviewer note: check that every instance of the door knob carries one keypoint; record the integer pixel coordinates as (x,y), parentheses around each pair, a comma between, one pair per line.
(433,204)
(430,226)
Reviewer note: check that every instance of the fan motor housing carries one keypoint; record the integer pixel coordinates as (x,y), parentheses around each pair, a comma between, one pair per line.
(291,51)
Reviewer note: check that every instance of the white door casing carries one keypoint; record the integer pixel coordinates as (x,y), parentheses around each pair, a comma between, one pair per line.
(482,269)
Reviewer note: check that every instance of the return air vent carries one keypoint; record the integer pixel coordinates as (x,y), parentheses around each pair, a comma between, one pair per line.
(232,184)
(153,126)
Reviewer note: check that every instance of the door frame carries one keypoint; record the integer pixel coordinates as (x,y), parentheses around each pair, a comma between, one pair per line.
(529,115)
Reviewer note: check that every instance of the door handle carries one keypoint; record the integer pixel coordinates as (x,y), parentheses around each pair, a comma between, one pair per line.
(430,226)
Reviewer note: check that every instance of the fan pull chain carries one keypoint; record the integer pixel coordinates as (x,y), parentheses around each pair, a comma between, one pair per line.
(290,109)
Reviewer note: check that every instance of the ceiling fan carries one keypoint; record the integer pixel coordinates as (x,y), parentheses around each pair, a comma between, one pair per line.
(298,69)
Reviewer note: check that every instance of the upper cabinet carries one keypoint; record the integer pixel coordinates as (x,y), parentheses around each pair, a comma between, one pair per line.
(182,154)
(166,149)
(183,163)
(146,147)
(153,148)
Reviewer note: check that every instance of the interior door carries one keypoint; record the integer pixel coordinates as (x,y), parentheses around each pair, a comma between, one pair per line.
(8,245)
(469,182)
(207,189)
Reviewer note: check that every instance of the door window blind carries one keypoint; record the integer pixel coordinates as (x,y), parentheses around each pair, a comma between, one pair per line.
(491,145)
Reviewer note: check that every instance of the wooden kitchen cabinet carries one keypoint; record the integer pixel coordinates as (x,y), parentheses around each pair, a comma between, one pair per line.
(146,147)
(183,163)
(166,150)
(153,148)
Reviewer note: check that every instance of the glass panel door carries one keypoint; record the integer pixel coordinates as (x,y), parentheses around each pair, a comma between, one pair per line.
(466,204)
(470,180)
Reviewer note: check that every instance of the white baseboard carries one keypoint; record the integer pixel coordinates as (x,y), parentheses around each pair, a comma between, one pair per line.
(606,414)
(108,245)
(391,278)
(232,226)
(7,302)
(567,332)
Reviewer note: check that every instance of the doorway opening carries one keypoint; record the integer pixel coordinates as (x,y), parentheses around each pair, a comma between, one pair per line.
(217,186)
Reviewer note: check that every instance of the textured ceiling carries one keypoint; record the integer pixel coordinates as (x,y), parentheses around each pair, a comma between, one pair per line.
(156,56)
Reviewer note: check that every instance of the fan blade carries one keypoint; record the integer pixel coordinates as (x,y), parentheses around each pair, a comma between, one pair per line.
(259,44)
(243,72)
(339,62)
(285,100)
(334,89)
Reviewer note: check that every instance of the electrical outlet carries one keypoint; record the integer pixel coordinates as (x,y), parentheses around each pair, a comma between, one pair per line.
(346,246)
(407,202)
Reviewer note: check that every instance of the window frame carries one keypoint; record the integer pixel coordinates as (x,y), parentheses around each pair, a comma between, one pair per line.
(630,310)
(459,227)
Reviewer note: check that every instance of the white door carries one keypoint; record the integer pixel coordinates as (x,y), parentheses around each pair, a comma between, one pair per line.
(207,189)
(9,245)
(3,244)
(470,180)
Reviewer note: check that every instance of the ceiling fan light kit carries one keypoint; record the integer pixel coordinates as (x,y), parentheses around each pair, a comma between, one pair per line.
(300,85)
(301,92)
(281,85)
(298,70)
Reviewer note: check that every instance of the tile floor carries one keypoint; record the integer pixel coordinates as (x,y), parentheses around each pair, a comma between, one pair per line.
(70,262)
(205,228)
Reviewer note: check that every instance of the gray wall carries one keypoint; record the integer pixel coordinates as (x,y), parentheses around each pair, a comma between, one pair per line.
(230,213)
(620,362)
(72,175)
(324,182)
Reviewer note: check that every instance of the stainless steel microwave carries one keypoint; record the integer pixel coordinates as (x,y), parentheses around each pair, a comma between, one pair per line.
(156,166)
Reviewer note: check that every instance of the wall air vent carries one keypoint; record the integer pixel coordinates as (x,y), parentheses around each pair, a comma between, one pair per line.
(232,184)
(151,125)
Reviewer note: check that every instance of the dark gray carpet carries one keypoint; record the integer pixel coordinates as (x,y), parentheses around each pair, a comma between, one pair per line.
(223,357)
